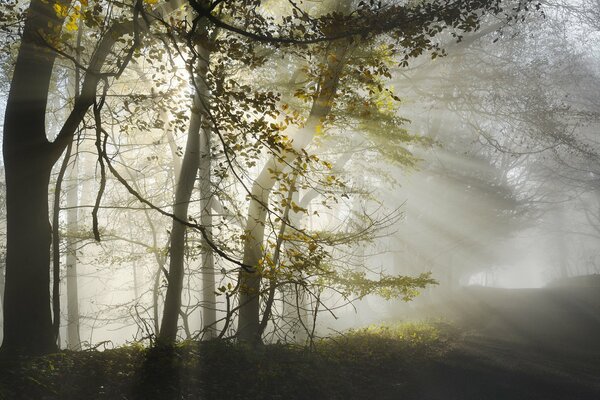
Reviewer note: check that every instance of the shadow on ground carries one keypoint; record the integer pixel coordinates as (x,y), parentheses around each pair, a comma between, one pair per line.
(504,344)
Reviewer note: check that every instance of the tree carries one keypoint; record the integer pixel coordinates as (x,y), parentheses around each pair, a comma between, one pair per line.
(29,155)
(198,128)
(29,158)
(413,39)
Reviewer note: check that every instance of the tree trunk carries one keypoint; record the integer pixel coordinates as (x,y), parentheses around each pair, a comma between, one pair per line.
(295,305)
(249,307)
(28,159)
(73,339)
(560,245)
(209,302)
(27,316)
(183,193)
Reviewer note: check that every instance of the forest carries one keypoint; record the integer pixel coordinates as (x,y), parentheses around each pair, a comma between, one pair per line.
(300,199)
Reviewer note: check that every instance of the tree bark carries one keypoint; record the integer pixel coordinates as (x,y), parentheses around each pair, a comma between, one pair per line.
(28,160)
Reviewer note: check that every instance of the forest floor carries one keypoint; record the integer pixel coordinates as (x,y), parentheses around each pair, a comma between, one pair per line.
(425,361)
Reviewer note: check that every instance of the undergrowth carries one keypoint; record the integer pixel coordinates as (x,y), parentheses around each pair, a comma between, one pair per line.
(353,365)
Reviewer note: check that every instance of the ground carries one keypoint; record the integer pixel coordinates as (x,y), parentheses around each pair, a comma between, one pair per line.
(507,345)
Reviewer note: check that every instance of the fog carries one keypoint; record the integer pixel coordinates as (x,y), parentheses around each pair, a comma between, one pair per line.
(503,195)
(280,183)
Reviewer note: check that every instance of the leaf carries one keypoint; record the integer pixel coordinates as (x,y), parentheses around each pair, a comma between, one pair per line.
(60,10)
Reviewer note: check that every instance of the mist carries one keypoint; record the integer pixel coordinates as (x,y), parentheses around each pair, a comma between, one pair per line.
(404,191)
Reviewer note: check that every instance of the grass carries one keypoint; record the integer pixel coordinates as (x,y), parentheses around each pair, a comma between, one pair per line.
(406,361)
(354,365)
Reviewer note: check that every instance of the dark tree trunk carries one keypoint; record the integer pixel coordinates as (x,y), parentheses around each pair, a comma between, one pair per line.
(27,316)
(28,159)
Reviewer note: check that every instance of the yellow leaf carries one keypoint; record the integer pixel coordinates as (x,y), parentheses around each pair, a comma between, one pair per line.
(60,10)
(71,26)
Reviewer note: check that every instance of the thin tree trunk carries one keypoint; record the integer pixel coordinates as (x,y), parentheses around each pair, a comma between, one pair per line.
(56,246)
(209,302)
(249,308)
(134,267)
(2,268)
(73,334)
(294,297)
(561,248)
(279,248)
(183,193)
(73,338)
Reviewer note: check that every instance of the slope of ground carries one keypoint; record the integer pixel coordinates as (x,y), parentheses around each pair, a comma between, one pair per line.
(523,344)
(558,319)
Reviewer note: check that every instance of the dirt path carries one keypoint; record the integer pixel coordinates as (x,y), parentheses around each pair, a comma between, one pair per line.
(519,344)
